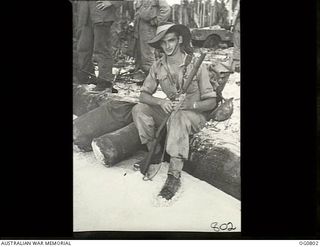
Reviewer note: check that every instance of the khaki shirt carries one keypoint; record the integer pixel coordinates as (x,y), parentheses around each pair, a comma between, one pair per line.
(199,89)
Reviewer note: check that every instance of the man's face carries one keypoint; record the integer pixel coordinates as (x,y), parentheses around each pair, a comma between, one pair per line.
(170,44)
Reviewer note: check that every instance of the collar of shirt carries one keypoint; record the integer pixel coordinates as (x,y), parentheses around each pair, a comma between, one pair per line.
(163,59)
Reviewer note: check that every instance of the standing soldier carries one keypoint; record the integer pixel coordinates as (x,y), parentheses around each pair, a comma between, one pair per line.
(94,21)
(149,14)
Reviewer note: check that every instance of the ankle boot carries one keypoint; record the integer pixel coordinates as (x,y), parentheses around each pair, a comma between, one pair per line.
(171,186)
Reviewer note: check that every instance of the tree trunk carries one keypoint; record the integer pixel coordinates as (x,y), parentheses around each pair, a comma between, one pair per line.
(219,167)
(104,119)
(180,14)
(214,14)
(84,101)
(173,14)
(112,148)
(210,15)
(199,15)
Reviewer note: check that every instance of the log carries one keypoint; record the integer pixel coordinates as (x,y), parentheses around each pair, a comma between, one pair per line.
(106,118)
(112,148)
(84,101)
(218,166)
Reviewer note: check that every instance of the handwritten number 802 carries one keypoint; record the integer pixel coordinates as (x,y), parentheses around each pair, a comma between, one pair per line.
(223,227)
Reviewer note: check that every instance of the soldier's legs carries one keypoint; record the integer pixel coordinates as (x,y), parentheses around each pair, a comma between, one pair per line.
(147,118)
(103,49)
(84,53)
(180,126)
(147,53)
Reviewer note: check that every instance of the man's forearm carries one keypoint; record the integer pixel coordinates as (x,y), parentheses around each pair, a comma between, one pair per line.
(205,105)
(149,99)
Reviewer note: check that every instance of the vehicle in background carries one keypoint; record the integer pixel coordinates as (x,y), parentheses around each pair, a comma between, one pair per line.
(211,37)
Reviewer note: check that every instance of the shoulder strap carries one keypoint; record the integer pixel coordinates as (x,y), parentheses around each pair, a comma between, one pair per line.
(186,63)
(169,74)
(156,78)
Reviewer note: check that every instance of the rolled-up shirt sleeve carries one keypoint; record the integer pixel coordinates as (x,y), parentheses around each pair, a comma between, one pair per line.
(150,83)
(206,89)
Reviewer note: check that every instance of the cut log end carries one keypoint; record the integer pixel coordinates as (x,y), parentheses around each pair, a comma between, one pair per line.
(104,151)
(76,133)
(113,147)
(219,167)
(98,154)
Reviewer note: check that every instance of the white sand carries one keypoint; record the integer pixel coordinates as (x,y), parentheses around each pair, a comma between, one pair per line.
(116,198)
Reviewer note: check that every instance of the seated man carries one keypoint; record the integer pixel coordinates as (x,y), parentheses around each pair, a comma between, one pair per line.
(170,72)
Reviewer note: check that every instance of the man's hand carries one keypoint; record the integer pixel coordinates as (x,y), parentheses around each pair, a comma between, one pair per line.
(102,5)
(187,105)
(167,106)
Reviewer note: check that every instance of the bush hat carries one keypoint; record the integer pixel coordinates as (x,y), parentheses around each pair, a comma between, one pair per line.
(165,28)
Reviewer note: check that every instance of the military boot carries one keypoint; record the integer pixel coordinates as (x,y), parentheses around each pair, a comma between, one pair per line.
(170,187)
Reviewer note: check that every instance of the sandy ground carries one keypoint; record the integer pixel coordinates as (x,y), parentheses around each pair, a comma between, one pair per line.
(117,199)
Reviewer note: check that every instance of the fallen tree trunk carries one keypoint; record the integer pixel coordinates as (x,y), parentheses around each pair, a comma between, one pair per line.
(219,167)
(106,118)
(82,101)
(85,101)
(112,148)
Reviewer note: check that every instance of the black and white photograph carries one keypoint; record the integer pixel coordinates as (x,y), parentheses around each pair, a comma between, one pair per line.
(156,116)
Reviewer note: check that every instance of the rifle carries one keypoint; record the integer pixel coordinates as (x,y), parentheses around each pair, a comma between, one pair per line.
(144,168)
